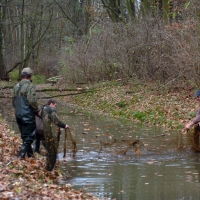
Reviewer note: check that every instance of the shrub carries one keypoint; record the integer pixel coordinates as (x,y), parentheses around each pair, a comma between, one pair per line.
(39,79)
(14,75)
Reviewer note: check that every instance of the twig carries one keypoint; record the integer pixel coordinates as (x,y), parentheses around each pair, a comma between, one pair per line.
(8,163)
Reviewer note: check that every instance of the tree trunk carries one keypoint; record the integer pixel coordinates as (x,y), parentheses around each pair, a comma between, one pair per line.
(131,8)
(113,9)
(2,65)
(22,46)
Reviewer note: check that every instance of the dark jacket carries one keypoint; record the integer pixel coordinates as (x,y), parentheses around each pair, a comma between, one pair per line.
(25,102)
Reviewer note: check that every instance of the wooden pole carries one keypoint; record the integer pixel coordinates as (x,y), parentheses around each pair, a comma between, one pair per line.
(65,140)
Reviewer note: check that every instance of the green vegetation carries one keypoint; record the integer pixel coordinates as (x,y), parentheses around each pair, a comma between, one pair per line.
(37,79)
(142,104)
(14,75)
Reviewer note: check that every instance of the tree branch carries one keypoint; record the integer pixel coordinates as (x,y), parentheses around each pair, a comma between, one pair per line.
(30,52)
(59,95)
(68,17)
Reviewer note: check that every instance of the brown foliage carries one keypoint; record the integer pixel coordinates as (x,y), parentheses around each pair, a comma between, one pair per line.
(27,179)
(146,50)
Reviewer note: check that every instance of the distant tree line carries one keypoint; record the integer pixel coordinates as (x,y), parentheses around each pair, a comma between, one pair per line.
(97,40)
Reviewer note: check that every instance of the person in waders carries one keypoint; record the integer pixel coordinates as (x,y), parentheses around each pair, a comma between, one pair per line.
(26,107)
(51,122)
(196,120)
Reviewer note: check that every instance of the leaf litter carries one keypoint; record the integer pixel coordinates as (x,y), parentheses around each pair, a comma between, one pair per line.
(28,179)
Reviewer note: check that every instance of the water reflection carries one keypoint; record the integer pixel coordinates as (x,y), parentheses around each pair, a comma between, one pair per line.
(109,175)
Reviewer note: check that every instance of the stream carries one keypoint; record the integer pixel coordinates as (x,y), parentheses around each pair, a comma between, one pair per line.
(118,171)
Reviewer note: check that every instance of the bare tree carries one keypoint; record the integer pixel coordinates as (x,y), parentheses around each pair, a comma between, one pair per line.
(3,74)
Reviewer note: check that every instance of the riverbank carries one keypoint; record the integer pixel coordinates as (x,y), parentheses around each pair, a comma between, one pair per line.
(167,107)
(27,179)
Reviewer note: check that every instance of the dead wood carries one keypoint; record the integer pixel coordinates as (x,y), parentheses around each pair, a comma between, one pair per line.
(52,89)
(61,95)
(7,87)
(58,95)
(60,89)
(130,92)
(5,97)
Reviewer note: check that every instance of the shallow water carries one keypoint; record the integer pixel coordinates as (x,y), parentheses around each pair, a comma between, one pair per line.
(159,172)
(163,174)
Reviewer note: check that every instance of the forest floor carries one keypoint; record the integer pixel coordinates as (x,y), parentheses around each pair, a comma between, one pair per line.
(28,179)
(152,105)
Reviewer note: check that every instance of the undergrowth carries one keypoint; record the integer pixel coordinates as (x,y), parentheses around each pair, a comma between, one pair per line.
(147,104)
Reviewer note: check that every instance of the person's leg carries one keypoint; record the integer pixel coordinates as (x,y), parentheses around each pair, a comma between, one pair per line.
(30,150)
(27,133)
(22,151)
(20,125)
(51,161)
(43,139)
(43,143)
(26,149)
(51,151)
(36,146)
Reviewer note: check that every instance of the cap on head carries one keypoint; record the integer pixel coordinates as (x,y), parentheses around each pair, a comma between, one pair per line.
(197,94)
(27,71)
(51,102)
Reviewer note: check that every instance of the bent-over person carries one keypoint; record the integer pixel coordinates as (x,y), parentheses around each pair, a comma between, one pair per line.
(51,122)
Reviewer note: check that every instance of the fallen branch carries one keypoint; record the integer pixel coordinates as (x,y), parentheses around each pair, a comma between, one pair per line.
(61,95)
(5,97)
(59,90)
(7,87)
(52,89)
(130,92)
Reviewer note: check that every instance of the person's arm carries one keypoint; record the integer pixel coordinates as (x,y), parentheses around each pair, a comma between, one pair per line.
(188,125)
(32,99)
(14,91)
(55,119)
(66,126)
(193,121)
(196,119)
